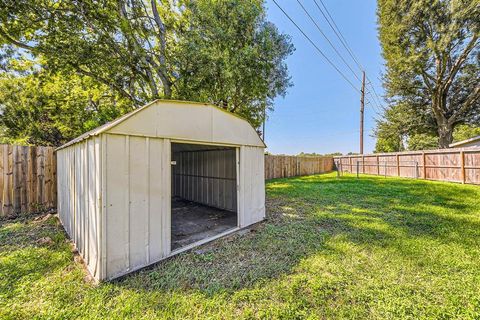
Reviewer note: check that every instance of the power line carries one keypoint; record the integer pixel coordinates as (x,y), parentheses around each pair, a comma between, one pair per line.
(337,32)
(316,47)
(375,92)
(328,40)
(343,41)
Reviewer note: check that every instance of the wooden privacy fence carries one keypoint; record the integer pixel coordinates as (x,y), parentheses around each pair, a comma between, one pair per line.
(27,179)
(455,165)
(291,166)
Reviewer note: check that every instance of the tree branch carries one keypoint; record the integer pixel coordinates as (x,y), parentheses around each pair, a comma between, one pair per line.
(458,64)
(426,79)
(19,44)
(474,96)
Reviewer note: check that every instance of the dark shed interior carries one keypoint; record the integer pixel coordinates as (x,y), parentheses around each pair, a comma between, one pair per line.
(204,192)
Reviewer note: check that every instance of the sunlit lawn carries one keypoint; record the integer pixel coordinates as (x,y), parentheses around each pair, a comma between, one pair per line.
(331,248)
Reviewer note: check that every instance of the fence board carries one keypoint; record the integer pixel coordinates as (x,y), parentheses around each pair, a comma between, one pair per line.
(291,166)
(454,165)
(27,179)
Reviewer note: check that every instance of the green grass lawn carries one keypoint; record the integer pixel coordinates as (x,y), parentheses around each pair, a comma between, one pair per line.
(331,248)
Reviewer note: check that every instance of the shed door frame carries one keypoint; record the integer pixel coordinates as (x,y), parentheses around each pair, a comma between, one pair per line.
(237,178)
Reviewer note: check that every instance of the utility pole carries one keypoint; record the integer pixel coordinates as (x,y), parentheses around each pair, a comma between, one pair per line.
(362,108)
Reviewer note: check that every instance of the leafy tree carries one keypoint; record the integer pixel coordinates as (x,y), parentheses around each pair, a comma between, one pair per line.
(241,66)
(431,49)
(422,141)
(223,52)
(464,132)
(50,109)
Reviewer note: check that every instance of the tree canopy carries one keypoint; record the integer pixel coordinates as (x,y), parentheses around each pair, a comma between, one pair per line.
(91,60)
(432,80)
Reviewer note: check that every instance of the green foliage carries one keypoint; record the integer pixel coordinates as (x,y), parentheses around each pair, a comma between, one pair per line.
(432,64)
(422,141)
(348,248)
(241,67)
(50,109)
(464,132)
(223,52)
(314,154)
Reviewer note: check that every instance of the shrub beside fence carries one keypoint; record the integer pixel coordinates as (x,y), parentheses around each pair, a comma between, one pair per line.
(454,165)
(291,166)
(27,179)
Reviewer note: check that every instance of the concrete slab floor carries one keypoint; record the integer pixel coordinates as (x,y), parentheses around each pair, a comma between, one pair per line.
(193,221)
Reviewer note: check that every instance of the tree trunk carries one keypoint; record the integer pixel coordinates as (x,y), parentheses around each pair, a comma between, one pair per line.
(445,135)
(167,90)
(444,126)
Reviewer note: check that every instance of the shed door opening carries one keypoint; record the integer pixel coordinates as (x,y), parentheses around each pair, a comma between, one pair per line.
(204,192)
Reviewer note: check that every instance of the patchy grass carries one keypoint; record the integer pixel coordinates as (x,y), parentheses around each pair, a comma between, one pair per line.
(331,248)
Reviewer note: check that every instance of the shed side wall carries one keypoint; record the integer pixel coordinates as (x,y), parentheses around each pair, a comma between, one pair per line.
(137,202)
(79,198)
(251,185)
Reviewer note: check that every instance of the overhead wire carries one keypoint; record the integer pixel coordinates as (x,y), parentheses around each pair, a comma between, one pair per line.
(333,25)
(316,47)
(328,40)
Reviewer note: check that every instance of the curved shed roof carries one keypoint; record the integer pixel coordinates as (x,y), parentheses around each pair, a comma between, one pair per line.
(181,120)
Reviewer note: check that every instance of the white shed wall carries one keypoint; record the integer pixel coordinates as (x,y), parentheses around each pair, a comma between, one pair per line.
(251,186)
(114,183)
(470,145)
(137,202)
(79,198)
(189,122)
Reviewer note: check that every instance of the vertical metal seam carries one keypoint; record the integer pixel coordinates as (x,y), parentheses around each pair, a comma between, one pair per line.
(147,238)
(127,200)
(103,207)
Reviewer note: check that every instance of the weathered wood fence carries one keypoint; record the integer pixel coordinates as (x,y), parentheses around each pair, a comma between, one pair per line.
(291,166)
(455,165)
(27,179)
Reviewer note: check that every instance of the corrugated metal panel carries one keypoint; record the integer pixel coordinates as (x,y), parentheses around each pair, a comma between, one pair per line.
(228,124)
(138,202)
(114,195)
(79,198)
(252,186)
(189,122)
(206,176)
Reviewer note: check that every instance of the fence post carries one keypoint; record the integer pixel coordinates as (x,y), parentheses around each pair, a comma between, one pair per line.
(378,166)
(424,165)
(385,169)
(462,162)
(416,169)
(363,164)
(358,165)
(398,166)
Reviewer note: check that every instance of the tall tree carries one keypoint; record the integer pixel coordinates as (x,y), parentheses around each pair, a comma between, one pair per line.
(241,66)
(431,49)
(40,107)
(223,52)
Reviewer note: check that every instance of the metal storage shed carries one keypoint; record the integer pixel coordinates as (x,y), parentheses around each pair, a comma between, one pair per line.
(160,180)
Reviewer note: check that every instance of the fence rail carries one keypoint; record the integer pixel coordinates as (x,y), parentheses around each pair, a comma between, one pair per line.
(27,179)
(454,165)
(291,166)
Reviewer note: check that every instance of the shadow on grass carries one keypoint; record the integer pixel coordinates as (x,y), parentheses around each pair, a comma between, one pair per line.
(304,214)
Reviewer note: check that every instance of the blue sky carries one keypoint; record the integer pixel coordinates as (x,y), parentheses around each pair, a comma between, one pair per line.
(320,113)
